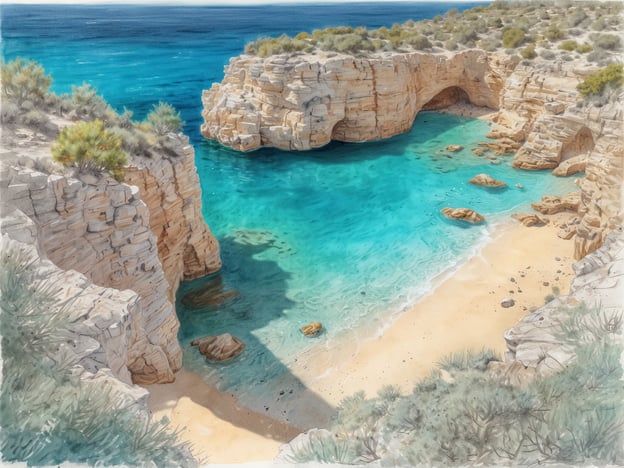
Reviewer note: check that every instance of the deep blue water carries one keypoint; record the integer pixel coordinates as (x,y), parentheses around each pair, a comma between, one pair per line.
(346,235)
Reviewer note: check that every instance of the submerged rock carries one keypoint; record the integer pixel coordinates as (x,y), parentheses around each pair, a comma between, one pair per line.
(454,148)
(486,180)
(312,329)
(219,348)
(211,294)
(462,214)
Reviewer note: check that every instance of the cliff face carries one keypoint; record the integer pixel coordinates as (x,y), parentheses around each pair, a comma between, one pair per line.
(106,231)
(304,101)
(298,102)
(539,111)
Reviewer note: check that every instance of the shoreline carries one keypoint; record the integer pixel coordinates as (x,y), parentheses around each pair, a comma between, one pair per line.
(529,261)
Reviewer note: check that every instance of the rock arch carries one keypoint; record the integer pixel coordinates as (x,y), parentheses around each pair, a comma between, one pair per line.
(447,97)
(581,144)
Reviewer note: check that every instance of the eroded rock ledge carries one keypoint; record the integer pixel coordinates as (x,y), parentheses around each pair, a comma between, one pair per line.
(299,102)
(136,241)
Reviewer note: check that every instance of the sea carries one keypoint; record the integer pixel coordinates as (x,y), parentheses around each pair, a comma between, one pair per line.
(347,235)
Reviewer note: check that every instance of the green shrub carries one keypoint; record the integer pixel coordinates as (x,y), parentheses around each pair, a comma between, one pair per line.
(528,52)
(584,48)
(24,81)
(608,77)
(568,45)
(576,17)
(513,37)
(553,33)
(419,42)
(91,148)
(489,45)
(606,41)
(48,415)
(597,56)
(87,104)
(548,55)
(164,119)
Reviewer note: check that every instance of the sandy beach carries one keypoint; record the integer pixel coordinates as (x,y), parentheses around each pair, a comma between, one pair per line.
(462,312)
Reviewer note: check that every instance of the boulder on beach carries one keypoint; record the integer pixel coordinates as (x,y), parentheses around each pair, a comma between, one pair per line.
(486,180)
(528,219)
(462,214)
(552,204)
(312,329)
(219,348)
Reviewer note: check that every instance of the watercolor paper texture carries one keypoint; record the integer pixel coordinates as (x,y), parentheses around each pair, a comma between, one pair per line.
(196,239)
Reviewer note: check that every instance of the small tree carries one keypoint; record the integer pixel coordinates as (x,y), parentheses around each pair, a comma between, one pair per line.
(164,119)
(90,147)
(24,81)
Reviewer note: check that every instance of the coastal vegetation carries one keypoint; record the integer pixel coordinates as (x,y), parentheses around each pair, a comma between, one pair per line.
(49,414)
(608,78)
(471,411)
(91,148)
(102,140)
(545,30)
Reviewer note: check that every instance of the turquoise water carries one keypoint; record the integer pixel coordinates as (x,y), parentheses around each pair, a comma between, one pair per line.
(346,235)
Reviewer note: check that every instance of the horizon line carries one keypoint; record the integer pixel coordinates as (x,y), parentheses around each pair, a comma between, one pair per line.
(219,2)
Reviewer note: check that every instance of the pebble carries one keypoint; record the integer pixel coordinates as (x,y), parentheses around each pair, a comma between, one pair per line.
(513,280)
(558,259)
(507,302)
(546,283)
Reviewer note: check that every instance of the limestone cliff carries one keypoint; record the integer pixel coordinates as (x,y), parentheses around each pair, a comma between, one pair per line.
(539,110)
(139,240)
(302,101)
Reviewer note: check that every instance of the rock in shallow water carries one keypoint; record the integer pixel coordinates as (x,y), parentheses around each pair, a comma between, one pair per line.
(312,329)
(219,348)
(462,214)
(486,180)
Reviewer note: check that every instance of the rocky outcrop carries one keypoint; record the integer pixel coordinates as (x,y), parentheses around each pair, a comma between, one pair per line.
(298,102)
(462,214)
(486,180)
(539,109)
(101,229)
(538,342)
(170,188)
(552,204)
(530,219)
(219,348)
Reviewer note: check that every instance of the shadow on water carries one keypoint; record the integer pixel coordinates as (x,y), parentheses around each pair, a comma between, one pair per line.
(429,127)
(246,296)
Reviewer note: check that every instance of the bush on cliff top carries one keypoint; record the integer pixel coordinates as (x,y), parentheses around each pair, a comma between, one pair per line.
(610,77)
(482,27)
(91,148)
(464,414)
(24,81)
(48,415)
(164,119)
